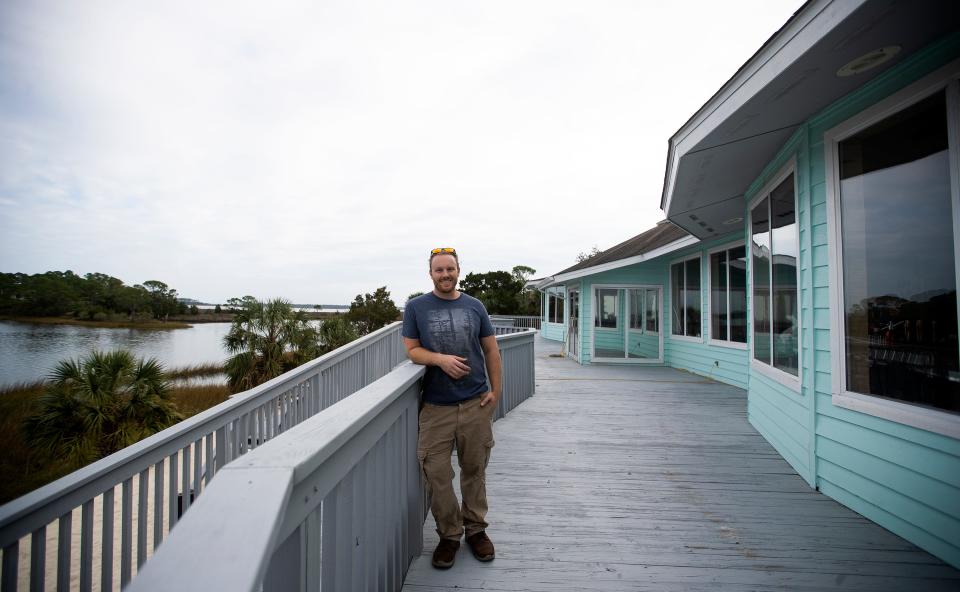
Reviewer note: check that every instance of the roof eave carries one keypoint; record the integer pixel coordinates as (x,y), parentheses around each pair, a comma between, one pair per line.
(653,254)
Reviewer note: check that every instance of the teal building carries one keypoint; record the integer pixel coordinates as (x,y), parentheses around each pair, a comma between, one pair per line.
(810,255)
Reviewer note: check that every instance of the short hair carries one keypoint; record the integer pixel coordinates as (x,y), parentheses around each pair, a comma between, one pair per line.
(454,255)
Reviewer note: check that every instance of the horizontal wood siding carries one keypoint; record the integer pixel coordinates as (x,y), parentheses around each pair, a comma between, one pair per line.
(553,331)
(697,355)
(645,345)
(903,478)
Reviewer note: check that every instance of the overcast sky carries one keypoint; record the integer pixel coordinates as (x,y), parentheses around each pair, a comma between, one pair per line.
(318,150)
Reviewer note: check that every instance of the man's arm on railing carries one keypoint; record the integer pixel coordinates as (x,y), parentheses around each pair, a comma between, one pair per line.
(454,366)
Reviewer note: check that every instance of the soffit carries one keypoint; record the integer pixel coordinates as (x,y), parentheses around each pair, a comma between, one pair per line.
(717,155)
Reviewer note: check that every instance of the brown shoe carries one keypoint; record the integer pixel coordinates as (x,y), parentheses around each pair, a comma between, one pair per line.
(445,553)
(481,545)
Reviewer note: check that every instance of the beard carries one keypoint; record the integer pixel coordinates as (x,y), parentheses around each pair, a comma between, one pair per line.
(445,286)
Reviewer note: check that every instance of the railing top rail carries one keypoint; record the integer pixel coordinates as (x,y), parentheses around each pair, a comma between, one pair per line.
(56,498)
(264,478)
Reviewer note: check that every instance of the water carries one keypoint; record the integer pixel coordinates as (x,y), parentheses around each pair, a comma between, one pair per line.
(28,352)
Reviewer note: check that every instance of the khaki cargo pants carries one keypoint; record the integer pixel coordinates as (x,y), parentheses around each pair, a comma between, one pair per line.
(468,427)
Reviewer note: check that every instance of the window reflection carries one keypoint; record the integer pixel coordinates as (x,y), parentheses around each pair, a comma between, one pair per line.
(693,297)
(728,295)
(784,277)
(760,249)
(899,283)
(607,309)
(653,316)
(685,293)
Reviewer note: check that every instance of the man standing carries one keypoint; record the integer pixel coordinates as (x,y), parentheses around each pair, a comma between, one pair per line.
(450,333)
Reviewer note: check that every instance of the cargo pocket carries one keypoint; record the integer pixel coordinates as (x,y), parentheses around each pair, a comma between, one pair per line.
(486,449)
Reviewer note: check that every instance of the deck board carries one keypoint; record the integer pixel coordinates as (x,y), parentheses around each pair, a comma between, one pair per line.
(649,478)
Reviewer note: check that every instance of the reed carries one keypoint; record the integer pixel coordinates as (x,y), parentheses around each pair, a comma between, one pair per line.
(195,371)
(191,400)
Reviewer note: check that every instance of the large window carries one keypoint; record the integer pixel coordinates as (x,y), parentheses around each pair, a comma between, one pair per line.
(555,308)
(899,287)
(685,293)
(773,247)
(728,295)
(607,301)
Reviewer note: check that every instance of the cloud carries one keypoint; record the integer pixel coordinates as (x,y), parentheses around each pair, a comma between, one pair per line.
(318,150)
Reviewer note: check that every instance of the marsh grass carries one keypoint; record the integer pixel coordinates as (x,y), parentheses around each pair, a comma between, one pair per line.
(194,371)
(21,472)
(191,400)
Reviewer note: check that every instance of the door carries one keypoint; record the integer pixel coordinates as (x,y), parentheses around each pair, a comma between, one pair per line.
(626,324)
(573,325)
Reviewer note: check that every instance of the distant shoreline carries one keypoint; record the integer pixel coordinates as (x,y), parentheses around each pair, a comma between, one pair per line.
(184,321)
(152,324)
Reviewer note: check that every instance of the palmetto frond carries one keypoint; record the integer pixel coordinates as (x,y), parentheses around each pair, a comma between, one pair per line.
(89,398)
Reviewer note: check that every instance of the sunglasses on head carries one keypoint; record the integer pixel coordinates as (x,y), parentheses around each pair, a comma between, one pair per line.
(443,251)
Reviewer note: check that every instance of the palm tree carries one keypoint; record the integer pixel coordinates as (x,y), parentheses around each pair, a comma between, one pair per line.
(267,338)
(96,405)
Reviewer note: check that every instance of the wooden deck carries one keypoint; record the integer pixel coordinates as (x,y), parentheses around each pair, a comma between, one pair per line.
(629,478)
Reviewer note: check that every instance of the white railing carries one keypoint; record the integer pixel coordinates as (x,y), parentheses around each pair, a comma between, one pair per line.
(47,542)
(520,321)
(335,504)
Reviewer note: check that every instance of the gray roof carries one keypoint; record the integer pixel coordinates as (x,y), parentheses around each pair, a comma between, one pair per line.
(664,233)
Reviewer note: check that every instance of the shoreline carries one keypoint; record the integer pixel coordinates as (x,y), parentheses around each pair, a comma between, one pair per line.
(151,325)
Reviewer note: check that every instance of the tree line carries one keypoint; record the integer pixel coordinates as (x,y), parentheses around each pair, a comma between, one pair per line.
(503,292)
(93,296)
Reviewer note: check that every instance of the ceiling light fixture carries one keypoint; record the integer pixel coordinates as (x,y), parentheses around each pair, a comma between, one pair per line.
(868,61)
(732,221)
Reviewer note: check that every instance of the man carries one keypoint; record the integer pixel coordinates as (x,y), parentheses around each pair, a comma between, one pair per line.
(450,333)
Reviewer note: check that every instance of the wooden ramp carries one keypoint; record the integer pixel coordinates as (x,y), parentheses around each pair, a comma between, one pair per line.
(630,478)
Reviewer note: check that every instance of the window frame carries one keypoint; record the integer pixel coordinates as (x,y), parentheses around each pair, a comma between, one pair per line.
(594,288)
(794,383)
(711,339)
(684,336)
(558,299)
(947,80)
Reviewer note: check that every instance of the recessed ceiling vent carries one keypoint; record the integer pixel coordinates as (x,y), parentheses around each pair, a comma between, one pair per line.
(868,61)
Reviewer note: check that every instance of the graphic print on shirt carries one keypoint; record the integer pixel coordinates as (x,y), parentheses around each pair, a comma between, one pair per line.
(450,330)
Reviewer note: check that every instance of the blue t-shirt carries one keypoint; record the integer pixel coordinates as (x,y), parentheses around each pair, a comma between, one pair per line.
(450,327)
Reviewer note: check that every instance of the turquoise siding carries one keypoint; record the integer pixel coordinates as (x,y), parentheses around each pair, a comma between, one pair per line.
(903,478)
(642,344)
(554,331)
(718,362)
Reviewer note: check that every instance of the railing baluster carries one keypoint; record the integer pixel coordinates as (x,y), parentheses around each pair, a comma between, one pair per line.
(106,544)
(220,455)
(158,503)
(185,479)
(143,493)
(198,461)
(173,491)
(64,544)
(208,458)
(329,547)
(126,531)
(11,567)
(86,546)
(38,559)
